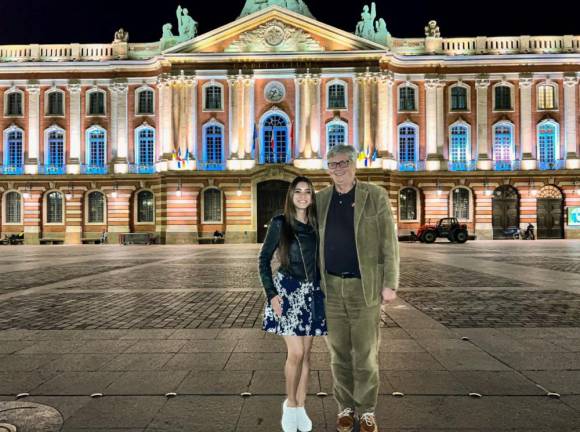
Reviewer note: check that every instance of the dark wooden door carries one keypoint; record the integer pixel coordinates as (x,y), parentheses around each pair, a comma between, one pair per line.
(505,211)
(550,218)
(271,198)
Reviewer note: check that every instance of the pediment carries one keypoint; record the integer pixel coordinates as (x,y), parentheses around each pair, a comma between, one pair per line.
(275,30)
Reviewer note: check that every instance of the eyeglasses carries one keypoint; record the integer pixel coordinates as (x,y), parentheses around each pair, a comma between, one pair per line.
(341,164)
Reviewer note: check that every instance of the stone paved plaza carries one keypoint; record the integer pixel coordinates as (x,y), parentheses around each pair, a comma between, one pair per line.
(501,319)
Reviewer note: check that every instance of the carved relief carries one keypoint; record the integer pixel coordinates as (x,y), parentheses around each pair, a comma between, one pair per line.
(272,37)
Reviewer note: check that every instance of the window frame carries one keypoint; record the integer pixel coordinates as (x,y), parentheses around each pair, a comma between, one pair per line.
(512,97)
(45,208)
(555,96)
(88,145)
(331,83)
(87,207)
(5,148)
(5,208)
(556,139)
(512,144)
(204,96)
(136,205)
(467,126)
(335,122)
(417,205)
(203,218)
(88,102)
(54,90)
(137,145)
(7,93)
(469,203)
(398,143)
(415,88)
(467,88)
(213,123)
(138,92)
(47,131)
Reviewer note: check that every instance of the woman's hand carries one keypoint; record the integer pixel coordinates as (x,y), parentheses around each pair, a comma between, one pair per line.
(276,303)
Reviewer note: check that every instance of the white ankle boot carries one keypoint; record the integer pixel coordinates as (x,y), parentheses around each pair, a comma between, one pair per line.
(304,422)
(289,418)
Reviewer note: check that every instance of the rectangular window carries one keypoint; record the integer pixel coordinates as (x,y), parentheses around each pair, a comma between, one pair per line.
(13,210)
(145,102)
(336,97)
(213,98)
(14,104)
(212,206)
(97,103)
(458,99)
(546,100)
(55,104)
(503,98)
(407,99)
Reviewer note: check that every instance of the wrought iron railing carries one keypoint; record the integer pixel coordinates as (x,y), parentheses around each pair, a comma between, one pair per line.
(462,166)
(141,169)
(11,170)
(94,169)
(52,169)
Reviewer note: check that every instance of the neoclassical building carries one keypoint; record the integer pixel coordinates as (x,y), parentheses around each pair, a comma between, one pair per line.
(197,133)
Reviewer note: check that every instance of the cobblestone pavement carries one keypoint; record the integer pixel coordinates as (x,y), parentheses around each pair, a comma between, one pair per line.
(138,324)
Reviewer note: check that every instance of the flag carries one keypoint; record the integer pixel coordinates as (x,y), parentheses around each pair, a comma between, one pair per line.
(174,155)
(361,156)
(272,143)
(179,160)
(291,134)
(187,156)
(375,155)
(255,140)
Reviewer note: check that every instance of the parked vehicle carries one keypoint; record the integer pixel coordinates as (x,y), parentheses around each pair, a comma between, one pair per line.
(449,228)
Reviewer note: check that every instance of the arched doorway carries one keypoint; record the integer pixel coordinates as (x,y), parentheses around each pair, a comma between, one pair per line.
(271,198)
(506,214)
(550,214)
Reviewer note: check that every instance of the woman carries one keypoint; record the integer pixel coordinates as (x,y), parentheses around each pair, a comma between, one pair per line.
(295,308)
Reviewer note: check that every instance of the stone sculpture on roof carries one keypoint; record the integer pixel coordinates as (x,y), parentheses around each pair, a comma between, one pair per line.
(298,6)
(370,29)
(187,28)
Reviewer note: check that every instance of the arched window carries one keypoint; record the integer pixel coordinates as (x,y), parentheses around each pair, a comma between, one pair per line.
(213,97)
(145,149)
(55,103)
(96,147)
(458,98)
(547,143)
(212,206)
(13,103)
(503,145)
(13,150)
(54,210)
(546,97)
(96,102)
(336,96)
(459,144)
(408,204)
(13,206)
(145,101)
(408,146)
(213,149)
(96,207)
(460,203)
(275,140)
(335,133)
(407,98)
(503,97)
(54,148)
(145,207)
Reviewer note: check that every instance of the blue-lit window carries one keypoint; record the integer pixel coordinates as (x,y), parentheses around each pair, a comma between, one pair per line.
(214,144)
(336,134)
(458,141)
(408,204)
(213,97)
(55,103)
(96,104)
(458,98)
(336,96)
(145,207)
(212,205)
(13,207)
(275,140)
(14,156)
(503,97)
(96,211)
(547,142)
(407,99)
(503,143)
(407,144)
(145,102)
(96,152)
(54,204)
(146,147)
(55,149)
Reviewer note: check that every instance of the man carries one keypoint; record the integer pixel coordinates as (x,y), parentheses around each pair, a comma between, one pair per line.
(360,271)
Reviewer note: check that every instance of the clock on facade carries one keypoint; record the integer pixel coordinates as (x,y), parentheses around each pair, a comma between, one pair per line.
(274,92)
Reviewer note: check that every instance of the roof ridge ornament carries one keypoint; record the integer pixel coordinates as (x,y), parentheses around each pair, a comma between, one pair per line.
(370,28)
(187,28)
(298,6)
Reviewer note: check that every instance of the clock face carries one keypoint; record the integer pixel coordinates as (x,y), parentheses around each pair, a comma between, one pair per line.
(274,92)
(274,36)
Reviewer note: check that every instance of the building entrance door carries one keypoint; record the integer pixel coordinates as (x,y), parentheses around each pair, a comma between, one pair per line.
(271,198)
(550,213)
(505,212)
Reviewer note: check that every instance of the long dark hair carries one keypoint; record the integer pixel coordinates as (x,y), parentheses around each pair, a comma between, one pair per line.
(289,225)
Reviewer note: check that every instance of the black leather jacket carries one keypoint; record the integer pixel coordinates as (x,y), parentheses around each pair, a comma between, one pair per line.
(308,237)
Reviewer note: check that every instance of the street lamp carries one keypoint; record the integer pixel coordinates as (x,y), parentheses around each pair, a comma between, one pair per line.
(115,194)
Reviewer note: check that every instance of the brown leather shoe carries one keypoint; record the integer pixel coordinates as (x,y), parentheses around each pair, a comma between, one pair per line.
(345,420)
(368,423)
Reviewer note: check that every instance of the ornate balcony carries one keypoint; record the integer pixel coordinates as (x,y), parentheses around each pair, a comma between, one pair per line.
(506,165)
(11,170)
(552,165)
(52,169)
(141,169)
(462,166)
(211,166)
(411,166)
(94,169)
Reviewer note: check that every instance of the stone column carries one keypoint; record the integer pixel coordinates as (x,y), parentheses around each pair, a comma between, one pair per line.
(193,126)
(570,118)
(387,122)
(234,113)
(484,161)
(441,129)
(74,91)
(433,162)
(31,162)
(309,121)
(315,128)
(120,161)
(249,89)
(527,131)
(181,118)
(165,128)
(241,122)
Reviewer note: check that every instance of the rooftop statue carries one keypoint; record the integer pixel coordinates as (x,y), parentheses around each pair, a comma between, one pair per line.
(121,36)
(432,29)
(186,26)
(370,29)
(298,6)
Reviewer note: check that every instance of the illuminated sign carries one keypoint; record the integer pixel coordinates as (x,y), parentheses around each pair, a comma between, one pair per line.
(574,216)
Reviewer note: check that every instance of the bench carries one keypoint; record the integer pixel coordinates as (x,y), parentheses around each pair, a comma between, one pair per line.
(211,240)
(138,238)
(51,240)
(91,237)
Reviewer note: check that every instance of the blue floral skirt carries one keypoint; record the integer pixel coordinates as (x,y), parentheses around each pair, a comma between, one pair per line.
(302,309)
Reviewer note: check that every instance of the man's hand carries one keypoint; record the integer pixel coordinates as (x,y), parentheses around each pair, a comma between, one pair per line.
(388,295)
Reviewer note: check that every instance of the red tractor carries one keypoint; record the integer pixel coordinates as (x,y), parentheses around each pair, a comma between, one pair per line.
(446,227)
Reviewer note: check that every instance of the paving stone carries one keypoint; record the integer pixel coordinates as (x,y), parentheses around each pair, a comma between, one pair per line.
(14,346)
(208,346)
(22,382)
(137,362)
(562,381)
(105,346)
(257,361)
(422,383)
(215,383)
(274,382)
(409,361)
(66,405)
(78,362)
(77,383)
(541,361)
(497,383)
(468,360)
(155,346)
(146,383)
(25,362)
(53,347)
(197,361)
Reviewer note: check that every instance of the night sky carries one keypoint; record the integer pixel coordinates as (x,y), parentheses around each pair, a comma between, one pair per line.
(66,21)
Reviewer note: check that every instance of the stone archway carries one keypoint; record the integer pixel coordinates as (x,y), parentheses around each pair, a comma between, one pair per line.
(505,210)
(550,214)
(271,199)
